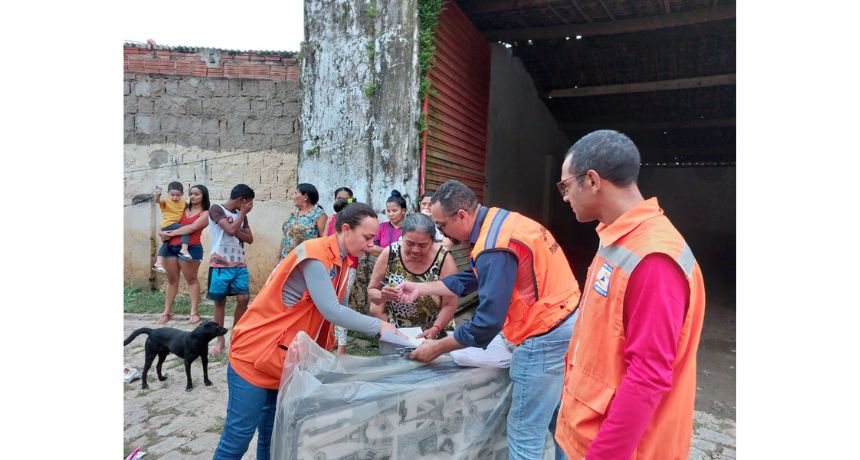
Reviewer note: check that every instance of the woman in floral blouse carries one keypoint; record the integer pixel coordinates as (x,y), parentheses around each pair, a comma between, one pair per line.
(416,257)
(306,222)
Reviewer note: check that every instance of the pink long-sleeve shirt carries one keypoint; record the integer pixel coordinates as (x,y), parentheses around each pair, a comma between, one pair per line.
(655,304)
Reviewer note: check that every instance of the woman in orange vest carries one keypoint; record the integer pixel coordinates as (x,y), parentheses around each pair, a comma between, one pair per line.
(630,370)
(303,294)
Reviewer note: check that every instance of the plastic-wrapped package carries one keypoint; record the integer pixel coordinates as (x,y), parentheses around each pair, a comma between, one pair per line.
(387,407)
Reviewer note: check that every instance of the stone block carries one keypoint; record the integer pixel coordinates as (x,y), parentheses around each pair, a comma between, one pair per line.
(126,88)
(701,444)
(253,126)
(220,88)
(146,124)
(282,125)
(235,126)
(171,87)
(234,88)
(169,123)
(258,107)
(129,104)
(273,109)
(727,454)
(265,89)
(205,89)
(188,87)
(292,109)
(156,87)
(714,436)
(193,107)
(257,141)
(209,125)
(249,88)
(239,106)
(213,143)
(177,105)
(145,105)
(142,88)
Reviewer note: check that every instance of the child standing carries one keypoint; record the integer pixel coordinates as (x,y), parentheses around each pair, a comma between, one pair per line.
(171,211)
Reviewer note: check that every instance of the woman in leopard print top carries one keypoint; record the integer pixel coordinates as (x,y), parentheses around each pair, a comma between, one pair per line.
(414,258)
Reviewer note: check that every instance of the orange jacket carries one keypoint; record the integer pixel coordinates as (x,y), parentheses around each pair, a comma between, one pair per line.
(594,364)
(545,292)
(261,337)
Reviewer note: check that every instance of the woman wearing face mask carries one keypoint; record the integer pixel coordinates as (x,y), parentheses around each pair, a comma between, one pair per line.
(389,232)
(305,293)
(416,257)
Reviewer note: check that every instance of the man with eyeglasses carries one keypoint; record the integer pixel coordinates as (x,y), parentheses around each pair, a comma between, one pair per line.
(526,290)
(630,375)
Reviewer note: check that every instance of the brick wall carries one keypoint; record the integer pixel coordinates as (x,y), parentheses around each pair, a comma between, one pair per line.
(211,117)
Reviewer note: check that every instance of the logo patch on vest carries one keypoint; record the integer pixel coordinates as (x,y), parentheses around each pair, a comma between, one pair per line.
(603,276)
(333,272)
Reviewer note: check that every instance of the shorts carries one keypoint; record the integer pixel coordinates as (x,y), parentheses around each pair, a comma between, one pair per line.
(196,251)
(227,281)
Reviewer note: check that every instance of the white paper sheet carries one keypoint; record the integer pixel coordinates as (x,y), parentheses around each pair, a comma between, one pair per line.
(410,332)
(496,355)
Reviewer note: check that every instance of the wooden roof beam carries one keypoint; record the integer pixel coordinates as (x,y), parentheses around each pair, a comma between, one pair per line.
(581,11)
(489,6)
(592,29)
(650,126)
(608,13)
(644,87)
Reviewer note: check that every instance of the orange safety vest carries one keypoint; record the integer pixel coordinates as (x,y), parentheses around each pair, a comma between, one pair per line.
(594,363)
(261,337)
(545,292)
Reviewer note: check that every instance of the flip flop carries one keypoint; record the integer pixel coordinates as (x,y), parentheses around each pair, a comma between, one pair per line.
(159,269)
(191,319)
(184,258)
(164,318)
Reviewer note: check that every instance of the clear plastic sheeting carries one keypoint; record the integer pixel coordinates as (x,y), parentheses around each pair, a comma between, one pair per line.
(387,407)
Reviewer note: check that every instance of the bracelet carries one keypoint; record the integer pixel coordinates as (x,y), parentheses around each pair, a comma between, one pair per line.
(437,327)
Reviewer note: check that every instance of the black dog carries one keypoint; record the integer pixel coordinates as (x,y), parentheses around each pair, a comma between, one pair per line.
(186,345)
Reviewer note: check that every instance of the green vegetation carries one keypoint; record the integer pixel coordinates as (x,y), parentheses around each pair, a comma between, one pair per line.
(428,19)
(370,90)
(136,300)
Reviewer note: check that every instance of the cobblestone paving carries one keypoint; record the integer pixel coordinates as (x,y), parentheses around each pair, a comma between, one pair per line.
(170,423)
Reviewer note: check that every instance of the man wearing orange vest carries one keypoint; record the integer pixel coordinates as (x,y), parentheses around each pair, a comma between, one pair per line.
(526,290)
(630,371)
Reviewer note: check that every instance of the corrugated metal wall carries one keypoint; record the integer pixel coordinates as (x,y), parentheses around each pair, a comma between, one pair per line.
(457,111)
(456,141)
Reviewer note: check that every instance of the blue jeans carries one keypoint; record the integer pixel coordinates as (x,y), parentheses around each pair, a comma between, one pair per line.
(537,370)
(249,408)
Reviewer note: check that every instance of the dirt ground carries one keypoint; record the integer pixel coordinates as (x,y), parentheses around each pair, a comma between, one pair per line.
(170,423)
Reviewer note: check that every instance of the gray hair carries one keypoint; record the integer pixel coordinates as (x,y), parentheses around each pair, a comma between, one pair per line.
(611,154)
(453,195)
(417,222)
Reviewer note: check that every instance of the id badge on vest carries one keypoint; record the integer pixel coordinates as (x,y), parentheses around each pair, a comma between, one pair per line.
(601,281)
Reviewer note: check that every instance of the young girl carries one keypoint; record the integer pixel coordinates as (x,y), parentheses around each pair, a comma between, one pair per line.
(389,232)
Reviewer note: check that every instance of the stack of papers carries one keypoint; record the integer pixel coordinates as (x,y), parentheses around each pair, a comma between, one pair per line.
(410,332)
(496,355)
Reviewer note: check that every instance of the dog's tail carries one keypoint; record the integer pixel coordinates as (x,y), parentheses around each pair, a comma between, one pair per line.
(143,330)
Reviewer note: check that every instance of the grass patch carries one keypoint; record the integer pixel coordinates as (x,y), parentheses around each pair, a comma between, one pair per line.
(364,350)
(136,300)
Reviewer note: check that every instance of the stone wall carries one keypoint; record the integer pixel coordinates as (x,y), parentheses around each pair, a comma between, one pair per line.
(216,118)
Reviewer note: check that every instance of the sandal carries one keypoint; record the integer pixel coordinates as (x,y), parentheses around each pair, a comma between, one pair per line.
(192,320)
(164,318)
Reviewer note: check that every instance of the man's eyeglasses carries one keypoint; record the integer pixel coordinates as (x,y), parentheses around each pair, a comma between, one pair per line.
(561,185)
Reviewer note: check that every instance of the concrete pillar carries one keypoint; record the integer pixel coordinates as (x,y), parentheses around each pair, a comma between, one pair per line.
(360,99)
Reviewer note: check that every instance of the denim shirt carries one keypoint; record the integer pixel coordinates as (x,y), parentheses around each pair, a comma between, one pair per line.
(497,273)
